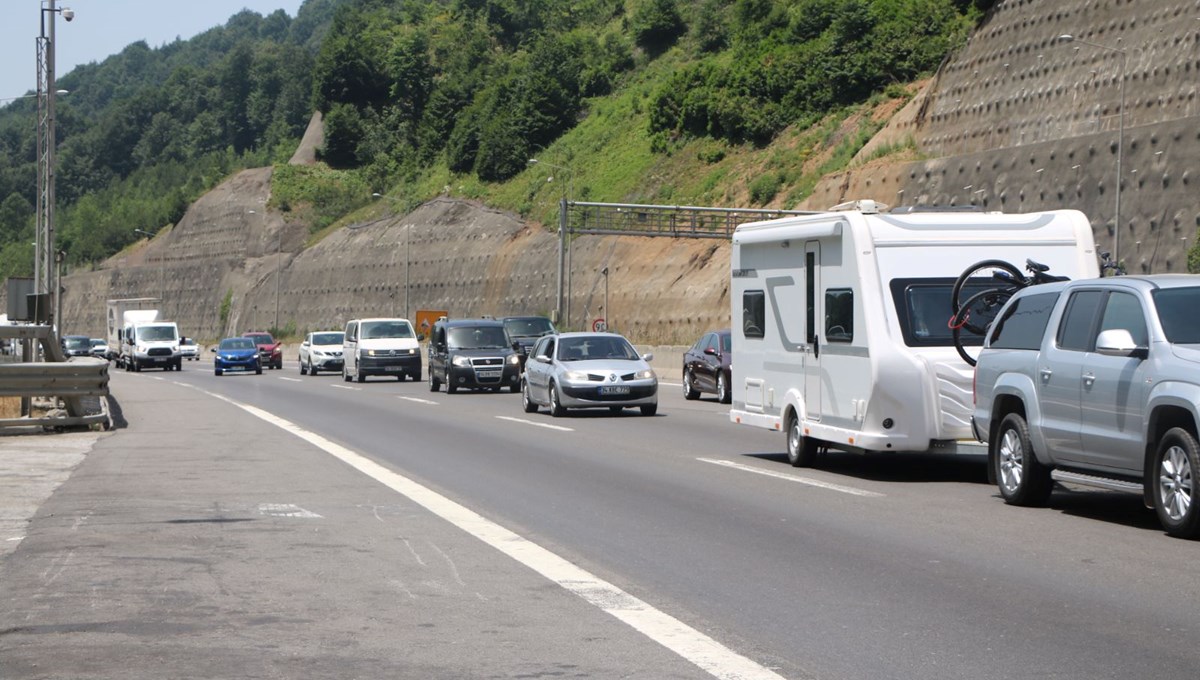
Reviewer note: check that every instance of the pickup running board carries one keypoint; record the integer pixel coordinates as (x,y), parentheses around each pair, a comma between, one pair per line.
(1097,482)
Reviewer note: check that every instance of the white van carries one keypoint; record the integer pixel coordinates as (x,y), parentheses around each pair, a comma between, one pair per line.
(840,321)
(380,347)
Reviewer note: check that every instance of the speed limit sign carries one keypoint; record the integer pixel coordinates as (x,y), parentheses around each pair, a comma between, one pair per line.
(599,325)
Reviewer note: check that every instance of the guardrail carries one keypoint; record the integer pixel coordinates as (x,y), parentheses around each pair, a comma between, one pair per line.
(70,380)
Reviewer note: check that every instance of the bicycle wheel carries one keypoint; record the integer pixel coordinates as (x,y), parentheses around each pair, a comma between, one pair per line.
(976,316)
(1010,274)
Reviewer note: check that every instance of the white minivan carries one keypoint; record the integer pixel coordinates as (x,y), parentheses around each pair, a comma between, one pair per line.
(380,347)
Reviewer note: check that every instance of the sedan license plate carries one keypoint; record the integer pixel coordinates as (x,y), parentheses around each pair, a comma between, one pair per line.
(614,389)
(494,373)
(393,369)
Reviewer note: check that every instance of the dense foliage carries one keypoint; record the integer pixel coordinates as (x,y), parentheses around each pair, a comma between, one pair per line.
(474,88)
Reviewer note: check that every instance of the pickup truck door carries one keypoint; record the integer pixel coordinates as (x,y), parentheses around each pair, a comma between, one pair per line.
(1059,375)
(1113,406)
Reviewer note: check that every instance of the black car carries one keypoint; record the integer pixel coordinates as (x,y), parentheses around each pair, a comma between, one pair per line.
(707,366)
(472,354)
(525,330)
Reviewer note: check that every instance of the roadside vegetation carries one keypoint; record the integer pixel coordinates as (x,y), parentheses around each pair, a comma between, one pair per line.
(718,102)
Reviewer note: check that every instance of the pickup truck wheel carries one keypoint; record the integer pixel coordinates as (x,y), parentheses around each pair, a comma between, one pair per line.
(1175,464)
(801,450)
(689,385)
(1021,478)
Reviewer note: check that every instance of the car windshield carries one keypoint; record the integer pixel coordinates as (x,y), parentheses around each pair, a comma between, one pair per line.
(156,333)
(261,339)
(1177,314)
(327,338)
(477,337)
(528,328)
(98,343)
(595,347)
(77,343)
(378,330)
(237,343)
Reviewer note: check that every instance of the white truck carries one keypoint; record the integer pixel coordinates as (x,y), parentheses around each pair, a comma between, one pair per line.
(151,344)
(121,313)
(840,321)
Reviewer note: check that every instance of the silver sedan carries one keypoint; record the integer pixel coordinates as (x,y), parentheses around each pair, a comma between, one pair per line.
(588,370)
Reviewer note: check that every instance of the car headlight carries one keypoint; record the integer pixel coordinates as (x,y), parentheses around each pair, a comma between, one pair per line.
(514,359)
(647,374)
(370,353)
(318,353)
(576,376)
(142,348)
(461,362)
(412,350)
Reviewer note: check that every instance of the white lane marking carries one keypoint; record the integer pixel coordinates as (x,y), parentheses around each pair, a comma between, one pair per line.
(670,384)
(286,510)
(346,387)
(694,646)
(548,426)
(14,538)
(290,379)
(418,400)
(794,478)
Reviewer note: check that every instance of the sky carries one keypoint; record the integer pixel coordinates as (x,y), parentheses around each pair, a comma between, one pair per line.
(102,28)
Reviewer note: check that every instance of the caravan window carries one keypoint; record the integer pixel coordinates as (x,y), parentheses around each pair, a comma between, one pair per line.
(754,313)
(839,315)
(923,307)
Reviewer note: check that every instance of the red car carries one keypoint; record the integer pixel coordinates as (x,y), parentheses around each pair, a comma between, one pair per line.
(707,366)
(270,353)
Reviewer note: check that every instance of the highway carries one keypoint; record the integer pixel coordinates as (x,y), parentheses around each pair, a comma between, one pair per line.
(863,567)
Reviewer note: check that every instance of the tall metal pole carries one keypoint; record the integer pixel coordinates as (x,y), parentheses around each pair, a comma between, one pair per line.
(407,265)
(278,272)
(1120,150)
(562,242)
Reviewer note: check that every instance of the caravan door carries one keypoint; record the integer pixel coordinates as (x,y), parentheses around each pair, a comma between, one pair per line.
(812,331)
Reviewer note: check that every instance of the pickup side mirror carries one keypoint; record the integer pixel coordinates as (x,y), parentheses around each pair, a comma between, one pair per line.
(1118,342)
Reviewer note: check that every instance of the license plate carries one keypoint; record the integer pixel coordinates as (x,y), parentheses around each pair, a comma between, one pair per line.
(393,369)
(490,374)
(614,389)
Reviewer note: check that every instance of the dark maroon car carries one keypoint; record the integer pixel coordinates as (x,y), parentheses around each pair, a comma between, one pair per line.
(707,366)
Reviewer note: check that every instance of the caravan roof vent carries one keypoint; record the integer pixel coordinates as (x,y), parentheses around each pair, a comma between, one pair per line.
(908,209)
(865,206)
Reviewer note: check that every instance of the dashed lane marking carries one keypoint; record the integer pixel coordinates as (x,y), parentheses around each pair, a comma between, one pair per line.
(346,387)
(290,379)
(548,426)
(418,400)
(794,478)
(705,652)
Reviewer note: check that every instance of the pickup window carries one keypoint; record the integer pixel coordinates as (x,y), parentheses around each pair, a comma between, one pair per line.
(1124,311)
(1076,331)
(1177,314)
(1024,322)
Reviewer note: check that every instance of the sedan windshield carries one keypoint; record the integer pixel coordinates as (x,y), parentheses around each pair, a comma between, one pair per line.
(261,339)
(1177,313)
(77,343)
(237,343)
(327,338)
(377,330)
(477,337)
(595,347)
(532,327)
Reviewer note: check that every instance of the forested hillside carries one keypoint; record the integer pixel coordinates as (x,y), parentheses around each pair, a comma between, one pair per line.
(431,96)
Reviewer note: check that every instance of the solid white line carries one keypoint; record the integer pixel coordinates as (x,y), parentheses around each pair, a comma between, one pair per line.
(689,643)
(548,426)
(418,400)
(794,478)
(290,379)
(346,387)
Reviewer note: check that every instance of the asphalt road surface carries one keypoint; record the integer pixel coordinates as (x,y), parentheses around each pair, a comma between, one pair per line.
(700,552)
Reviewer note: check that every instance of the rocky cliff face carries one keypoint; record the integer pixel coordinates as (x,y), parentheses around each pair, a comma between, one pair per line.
(1016,121)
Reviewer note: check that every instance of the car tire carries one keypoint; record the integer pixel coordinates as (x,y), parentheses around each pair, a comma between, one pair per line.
(556,408)
(279,365)
(801,449)
(217,371)
(689,385)
(450,387)
(527,401)
(359,376)
(416,377)
(1176,462)
(724,394)
(649,409)
(434,383)
(1021,478)
(303,368)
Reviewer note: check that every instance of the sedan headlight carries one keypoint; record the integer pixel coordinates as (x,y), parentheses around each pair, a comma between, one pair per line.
(514,359)
(462,362)
(576,376)
(647,374)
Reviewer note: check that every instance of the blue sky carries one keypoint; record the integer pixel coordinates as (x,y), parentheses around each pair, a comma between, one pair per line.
(104,27)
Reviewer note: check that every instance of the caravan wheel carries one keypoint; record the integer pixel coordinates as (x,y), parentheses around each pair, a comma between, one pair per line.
(801,450)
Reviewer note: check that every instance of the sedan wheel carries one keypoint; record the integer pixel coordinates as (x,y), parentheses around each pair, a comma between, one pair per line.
(527,401)
(556,407)
(649,409)
(1175,466)
(689,382)
(723,392)
(1021,478)
(434,383)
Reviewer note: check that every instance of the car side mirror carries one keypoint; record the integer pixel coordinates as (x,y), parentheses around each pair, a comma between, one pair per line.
(1118,342)
(420,337)
(212,349)
(648,357)
(710,350)
(304,344)
(517,347)
(542,358)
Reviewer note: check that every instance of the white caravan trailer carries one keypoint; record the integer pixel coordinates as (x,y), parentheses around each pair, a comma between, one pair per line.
(840,321)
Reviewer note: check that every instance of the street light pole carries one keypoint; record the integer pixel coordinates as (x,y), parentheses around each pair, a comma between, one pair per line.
(46,278)
(1120,136)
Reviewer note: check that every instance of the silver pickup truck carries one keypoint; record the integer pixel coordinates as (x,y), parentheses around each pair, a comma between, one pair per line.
(1096,382)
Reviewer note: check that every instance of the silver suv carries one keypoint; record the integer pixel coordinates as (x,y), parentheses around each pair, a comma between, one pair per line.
(1096,382)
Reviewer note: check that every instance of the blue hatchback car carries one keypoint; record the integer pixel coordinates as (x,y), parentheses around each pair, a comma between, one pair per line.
(236,354)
